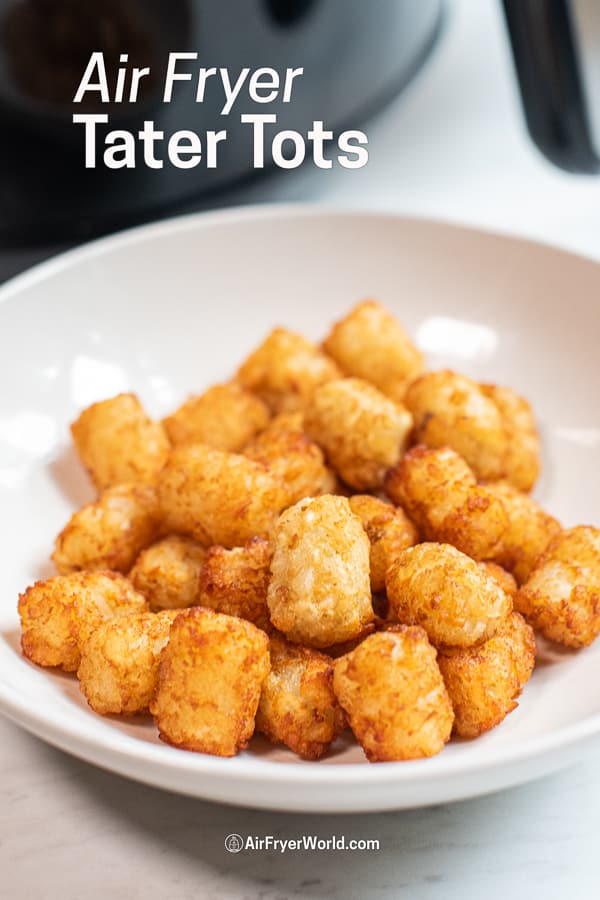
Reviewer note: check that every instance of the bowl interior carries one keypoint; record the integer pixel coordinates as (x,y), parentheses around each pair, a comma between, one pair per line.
(169,309)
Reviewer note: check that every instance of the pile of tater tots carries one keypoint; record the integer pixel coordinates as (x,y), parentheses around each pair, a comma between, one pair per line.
(336,538)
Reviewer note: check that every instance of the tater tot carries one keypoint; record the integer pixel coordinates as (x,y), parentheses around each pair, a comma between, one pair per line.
(484,681)
(451,410)
(118,672)
(506,581)
(225,417)
(59,614)
(210,678)
(292,457)
(561,598)
(362,432)
(167,572)
(370,343)
(440,494)
(297,705)
(521,464)
(110,532)
(446,593)
(117,442)
(530,530)
(218,497)
(394,696)
(389,531)
(320,592)
(285,370)
(235,581)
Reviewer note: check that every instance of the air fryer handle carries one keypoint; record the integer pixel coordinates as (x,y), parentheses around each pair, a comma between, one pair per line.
(547,59)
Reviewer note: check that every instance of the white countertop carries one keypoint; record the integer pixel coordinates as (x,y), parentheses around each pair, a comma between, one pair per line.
(454,146)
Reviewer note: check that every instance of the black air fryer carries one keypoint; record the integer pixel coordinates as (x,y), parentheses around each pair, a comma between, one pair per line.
(556,45)
(355,55)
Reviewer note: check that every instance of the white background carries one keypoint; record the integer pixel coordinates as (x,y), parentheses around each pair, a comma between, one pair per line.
(453,146)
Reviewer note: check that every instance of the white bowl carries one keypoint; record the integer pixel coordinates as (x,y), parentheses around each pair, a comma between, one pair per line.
(170,308)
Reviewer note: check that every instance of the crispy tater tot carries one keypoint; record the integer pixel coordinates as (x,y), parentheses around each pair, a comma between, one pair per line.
(167,572)
(389,531)
(446,593)
(291,456)
(210,678)
(370,343)
(451,410)
(118,672)
(225,417)
(285,370)
(320,591)
(394,696)
(561,598)
(361,430)
(218,497)
(297,706)
(440,494)
(530,530)
(59,614)
(484,681)
(506,581)
(521,464)
(110,532)
(235,581)
(117,442)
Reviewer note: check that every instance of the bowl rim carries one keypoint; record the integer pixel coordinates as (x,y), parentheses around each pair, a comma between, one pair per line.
(263,212)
